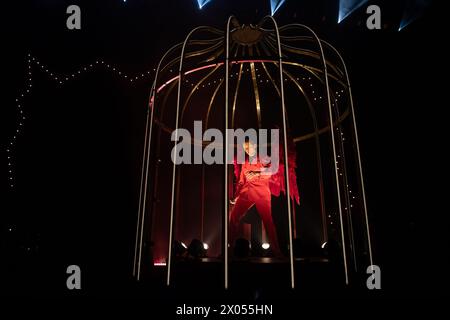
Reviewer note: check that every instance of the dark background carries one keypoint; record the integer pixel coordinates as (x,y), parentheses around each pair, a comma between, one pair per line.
(77,161)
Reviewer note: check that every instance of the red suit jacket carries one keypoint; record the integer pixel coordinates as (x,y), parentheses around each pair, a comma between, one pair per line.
(275,182)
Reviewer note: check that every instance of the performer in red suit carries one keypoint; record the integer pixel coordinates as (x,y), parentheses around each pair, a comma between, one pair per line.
(255,187)
(253,190)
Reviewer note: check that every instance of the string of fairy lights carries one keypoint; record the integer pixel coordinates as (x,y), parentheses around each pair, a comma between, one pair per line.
(34,63)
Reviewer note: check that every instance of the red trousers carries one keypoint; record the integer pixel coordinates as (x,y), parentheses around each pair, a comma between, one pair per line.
(255,192)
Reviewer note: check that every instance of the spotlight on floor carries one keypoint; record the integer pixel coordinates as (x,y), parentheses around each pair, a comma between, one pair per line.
(242,248)
(265,246)
(196,249)
(179,248)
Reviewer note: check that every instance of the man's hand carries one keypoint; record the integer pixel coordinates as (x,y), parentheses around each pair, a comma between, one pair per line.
(250,174)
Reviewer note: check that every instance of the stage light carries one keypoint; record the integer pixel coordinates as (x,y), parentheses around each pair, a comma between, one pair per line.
(202,3)
(332,249)
(324,245)
(196,249)
(205,246)
(275,5)
(265,246)
(347,7)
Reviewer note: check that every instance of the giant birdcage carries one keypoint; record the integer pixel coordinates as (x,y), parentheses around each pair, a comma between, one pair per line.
(253,76)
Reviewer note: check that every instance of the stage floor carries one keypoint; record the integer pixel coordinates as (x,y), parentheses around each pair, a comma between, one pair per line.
(251,278)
